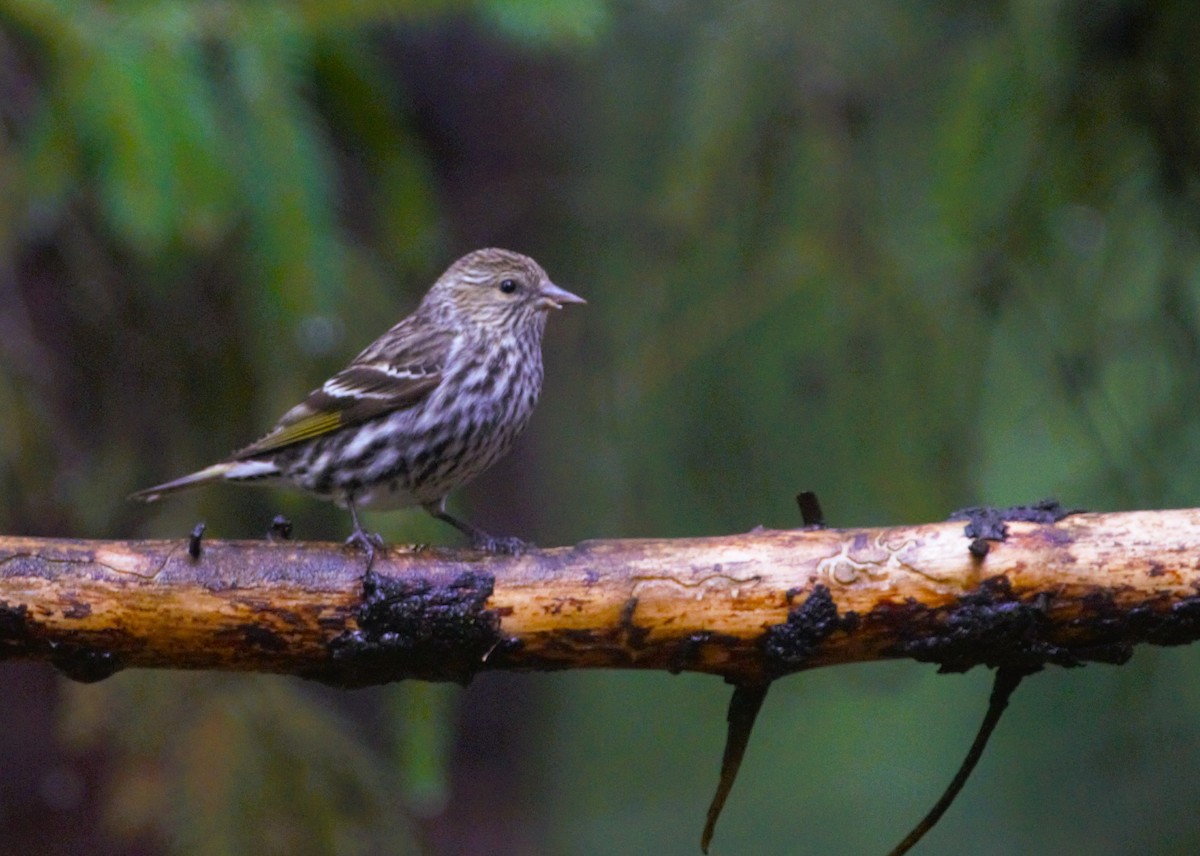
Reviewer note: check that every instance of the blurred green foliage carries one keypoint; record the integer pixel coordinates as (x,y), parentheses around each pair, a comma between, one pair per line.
(912,256)
(238,766)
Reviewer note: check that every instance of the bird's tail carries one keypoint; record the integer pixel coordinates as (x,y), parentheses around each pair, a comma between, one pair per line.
(208,475)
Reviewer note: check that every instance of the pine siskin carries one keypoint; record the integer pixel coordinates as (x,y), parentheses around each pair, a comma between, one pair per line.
(426,408)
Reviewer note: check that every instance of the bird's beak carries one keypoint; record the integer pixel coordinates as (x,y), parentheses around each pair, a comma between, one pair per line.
(550,296)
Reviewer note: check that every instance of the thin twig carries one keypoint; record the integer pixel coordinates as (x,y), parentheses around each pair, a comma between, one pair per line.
(1007,680)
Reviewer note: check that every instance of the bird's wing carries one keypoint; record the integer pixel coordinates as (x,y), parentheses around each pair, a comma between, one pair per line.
(361,391)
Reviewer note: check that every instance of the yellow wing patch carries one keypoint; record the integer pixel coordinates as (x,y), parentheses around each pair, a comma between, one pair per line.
(303,429)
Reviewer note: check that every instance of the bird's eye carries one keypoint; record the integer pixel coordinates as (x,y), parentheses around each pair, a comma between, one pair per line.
(508,286)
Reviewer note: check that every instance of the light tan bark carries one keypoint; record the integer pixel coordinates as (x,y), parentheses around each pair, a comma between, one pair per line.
(749,607)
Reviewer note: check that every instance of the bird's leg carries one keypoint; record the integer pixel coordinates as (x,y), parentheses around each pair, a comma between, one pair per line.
(479,539)
(366,541)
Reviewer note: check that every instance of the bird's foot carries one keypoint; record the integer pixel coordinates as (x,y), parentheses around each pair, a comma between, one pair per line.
(480,540)
(507,546)
(366,541)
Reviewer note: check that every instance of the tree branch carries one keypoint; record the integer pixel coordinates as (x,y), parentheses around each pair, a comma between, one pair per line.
(748,607)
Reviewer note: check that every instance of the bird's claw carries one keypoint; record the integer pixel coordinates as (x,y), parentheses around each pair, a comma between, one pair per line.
(507,546)
(366,541)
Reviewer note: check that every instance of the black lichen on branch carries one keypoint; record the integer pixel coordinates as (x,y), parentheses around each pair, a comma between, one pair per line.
(261,638)
(14,627)
(1179,625)
(416,628)
(83,663)
(79,662)
(991,524)
(788,646)
(1175,621)
(992,627)
(689,649)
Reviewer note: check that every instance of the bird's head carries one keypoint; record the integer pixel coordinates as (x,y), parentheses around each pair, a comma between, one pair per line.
(499,289)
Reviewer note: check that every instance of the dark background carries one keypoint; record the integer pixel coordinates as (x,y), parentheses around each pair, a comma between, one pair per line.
(912,256)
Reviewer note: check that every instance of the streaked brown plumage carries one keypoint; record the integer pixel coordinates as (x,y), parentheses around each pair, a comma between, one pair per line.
(424,409)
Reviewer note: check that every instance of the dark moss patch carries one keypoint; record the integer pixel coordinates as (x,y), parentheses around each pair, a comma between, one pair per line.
(990,523)
(1179,626)
(262,638)
(993,627)
(416,628)
(688,652)
(1167,622)
(14,624)
(788,646)
(978,547)
(83,663)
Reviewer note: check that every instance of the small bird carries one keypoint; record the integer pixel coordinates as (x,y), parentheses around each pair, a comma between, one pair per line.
(426,408)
